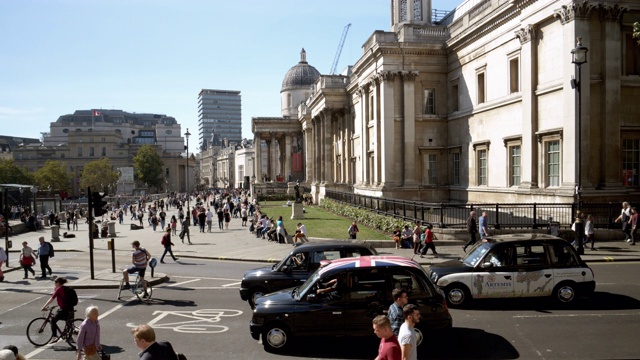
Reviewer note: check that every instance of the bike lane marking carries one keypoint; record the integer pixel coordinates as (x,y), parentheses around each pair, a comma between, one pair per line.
(35,352)
(199,322)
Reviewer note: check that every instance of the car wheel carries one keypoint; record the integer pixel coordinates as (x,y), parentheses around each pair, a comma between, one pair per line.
(457,295)
(565,292)
(276,337)
(254,295)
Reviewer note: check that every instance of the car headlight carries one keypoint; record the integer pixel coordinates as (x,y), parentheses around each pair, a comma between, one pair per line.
(434,277)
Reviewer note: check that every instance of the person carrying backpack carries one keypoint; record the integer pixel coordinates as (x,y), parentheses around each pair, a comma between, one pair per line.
(67,299)
(45,251)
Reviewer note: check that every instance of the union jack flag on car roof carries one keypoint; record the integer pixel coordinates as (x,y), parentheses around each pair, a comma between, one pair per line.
(366,261)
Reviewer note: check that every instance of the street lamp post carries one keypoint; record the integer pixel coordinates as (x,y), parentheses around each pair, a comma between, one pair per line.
(186,135)
(579,57)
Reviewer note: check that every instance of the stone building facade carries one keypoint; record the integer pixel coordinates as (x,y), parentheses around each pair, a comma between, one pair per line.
(282,137)
(88,135)
(480,106)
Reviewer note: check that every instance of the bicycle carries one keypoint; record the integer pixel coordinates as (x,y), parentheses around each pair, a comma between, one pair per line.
(137,288)
(39,330)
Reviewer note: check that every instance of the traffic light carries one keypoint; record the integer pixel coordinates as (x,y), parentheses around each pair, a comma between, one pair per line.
(98,204)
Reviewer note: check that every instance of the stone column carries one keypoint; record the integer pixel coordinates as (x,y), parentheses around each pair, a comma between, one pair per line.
(528,84)
(408,173)
(386,160)
(287,152)
(273,157)
(609,135)
(364,135)
(257,144)
(308,153)
(570,31)
(375,141)
(317,155)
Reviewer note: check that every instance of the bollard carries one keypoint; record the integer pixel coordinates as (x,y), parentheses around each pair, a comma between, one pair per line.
(113,254)
(55,233)
(112,228)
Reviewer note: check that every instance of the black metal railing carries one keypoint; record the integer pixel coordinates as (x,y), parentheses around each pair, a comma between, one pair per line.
(501,215)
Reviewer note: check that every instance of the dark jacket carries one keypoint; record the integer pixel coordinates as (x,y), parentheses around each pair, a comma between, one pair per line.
(472,227)
(159,351)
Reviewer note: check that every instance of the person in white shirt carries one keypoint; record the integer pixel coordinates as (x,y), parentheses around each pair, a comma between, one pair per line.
(301,233)
(209,219)
(407,334)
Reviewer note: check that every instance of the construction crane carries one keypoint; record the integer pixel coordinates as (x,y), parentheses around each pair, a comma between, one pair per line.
(340,45)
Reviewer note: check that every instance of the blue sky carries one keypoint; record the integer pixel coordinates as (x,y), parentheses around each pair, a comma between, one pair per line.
(154,56)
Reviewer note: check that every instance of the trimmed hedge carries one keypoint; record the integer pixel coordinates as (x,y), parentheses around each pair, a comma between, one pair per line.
(364,216)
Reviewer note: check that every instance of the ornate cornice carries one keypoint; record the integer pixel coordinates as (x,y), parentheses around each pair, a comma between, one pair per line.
(526,34)
(612,12)
(579,10)
(408,75)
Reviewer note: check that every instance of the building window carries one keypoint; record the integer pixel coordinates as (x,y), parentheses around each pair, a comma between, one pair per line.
(552,150)
(104,151)
(417,10)
(429,101)
(456,168)
(403,10)
(514,165)
(91,152)
(455,96)
(630,161)
(514,75)
(79,151)
(482,167)
(432,169)
(481,85)
(631,55)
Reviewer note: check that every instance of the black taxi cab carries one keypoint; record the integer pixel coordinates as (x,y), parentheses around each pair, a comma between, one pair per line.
(297,266)
(515,266)
(362,290)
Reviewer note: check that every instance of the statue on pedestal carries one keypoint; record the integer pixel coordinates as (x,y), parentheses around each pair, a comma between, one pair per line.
(297,189)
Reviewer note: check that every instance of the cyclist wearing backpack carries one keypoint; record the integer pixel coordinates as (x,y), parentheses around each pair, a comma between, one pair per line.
(66,299)
(139,258)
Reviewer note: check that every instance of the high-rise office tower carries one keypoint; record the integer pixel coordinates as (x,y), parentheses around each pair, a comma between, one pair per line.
(220,116)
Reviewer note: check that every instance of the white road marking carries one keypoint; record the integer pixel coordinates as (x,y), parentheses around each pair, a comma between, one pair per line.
(184,282)
(28,302)
(233,284)
(572,315)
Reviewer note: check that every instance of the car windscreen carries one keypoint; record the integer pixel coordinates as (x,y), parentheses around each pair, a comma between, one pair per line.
(286,260)
(304,288)
(476,254)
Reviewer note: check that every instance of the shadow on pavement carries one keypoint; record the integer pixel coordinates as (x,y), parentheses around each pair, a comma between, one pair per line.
(455,343)
(598,301)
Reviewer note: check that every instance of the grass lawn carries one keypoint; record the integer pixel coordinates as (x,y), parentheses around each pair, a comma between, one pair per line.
(319,222)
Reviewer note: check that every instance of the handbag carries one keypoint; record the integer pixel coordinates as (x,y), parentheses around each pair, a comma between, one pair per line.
(90,350)
(104,356)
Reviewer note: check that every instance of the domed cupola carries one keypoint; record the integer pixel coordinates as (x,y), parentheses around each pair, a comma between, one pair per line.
(301,75)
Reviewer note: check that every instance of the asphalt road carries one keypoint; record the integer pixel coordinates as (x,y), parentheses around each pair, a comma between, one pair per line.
(201,313)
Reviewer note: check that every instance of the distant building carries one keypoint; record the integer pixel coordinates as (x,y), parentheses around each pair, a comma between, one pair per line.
(88,135)
(9,143)
(478,106)
(220,113)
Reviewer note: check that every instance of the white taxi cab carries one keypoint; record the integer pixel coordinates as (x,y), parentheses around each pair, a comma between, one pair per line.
(515,265)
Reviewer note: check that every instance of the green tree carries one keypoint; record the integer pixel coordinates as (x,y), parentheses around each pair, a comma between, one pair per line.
(10,173)
(99,175)
(636,31)
(53,175)
(148,166)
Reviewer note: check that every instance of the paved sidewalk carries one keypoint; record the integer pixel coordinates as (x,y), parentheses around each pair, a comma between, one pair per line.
(237,244)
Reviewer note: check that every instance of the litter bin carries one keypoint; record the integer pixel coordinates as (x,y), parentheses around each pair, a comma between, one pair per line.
(109,245)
